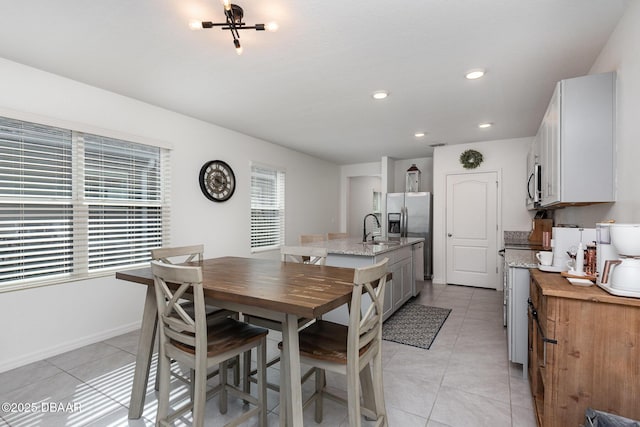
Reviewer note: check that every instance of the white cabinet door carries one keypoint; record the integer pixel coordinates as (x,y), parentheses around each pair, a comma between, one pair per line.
(577,150)
(550,151)
(517,331)
(407,283)
(387,305)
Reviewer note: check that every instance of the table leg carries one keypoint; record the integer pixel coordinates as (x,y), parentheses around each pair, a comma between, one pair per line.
(284,393)
(293,381)
(145,353)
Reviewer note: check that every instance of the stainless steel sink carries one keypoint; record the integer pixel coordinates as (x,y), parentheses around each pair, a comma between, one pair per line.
(382,242)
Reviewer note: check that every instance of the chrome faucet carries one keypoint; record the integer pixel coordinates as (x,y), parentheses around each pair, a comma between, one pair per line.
(364,226)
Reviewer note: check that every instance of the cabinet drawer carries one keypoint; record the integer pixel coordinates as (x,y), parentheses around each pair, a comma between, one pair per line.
(395,255)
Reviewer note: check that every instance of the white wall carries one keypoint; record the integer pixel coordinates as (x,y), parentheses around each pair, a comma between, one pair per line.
(425,164)
(347,172)
(361,190)
(622,54)
(508,158)
(41,322)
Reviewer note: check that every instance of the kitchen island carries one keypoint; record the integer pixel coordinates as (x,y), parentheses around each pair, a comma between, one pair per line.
(405,264)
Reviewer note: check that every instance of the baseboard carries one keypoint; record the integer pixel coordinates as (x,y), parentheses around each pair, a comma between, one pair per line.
(67,346)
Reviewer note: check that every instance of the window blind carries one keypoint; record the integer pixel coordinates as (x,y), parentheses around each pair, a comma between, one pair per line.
(267,207)
(123,194)
(36,209)
(75,204)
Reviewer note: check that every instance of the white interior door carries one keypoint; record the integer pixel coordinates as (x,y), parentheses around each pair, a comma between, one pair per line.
(472,228)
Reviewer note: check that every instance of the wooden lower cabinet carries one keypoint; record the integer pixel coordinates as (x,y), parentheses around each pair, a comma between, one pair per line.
(584,351)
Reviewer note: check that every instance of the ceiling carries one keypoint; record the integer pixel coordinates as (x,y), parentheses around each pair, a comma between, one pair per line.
(309,85)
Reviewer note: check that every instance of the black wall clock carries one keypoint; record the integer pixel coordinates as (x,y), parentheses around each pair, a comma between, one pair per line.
(217,181)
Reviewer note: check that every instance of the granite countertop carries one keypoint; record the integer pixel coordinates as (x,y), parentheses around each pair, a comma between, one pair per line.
(520,258)
(354,246)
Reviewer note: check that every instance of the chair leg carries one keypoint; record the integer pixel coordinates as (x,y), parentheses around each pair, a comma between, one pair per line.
(378,389)
(246,368)
(163,379)
(223,387)
(192,383)
(262,381)
(353,395)
(366,384)
(320,379)
(236,371)
(200,392)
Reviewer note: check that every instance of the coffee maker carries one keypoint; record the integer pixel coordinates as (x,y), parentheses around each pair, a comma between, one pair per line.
(619,261)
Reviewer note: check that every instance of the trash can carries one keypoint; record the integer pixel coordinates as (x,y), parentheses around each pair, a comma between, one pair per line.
(595,418)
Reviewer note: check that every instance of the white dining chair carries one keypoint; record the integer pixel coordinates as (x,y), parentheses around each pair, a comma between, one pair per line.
(199,345)
(335,236)
(295,254)
(353,350)
(194,254)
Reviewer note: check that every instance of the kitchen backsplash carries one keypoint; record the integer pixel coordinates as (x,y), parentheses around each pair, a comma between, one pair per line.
(516,236)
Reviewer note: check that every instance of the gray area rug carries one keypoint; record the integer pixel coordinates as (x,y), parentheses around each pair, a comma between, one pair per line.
(415,324)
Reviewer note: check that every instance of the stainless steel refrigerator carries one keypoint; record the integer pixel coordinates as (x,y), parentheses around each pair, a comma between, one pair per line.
(409,215)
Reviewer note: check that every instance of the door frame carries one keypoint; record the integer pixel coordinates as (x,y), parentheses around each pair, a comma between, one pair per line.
(498,172)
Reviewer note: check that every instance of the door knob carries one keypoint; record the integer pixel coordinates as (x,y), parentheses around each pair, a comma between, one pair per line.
(449,234)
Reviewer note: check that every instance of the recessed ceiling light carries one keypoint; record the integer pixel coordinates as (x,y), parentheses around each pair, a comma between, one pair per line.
(419,134)
(474,74)
(380,94)
(485,125)
(437,144)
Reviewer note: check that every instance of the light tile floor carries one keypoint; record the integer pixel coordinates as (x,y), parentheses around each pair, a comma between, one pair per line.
(464,380)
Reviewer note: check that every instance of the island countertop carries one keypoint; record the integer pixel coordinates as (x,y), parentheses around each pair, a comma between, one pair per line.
(520,258)
(355,246)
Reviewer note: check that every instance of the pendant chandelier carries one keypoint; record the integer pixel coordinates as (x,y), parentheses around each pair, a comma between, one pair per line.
(234,24)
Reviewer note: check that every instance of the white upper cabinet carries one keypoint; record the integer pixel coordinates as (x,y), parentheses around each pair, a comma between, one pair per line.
(577,142)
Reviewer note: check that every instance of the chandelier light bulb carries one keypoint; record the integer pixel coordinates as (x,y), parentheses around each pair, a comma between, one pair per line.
(271,26)
(227,4)
(238,47)
(195,25)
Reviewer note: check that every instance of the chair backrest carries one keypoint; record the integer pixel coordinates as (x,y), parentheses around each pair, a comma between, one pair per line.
(303,254)
(175,323)
(334,236)
(310,238)
(178,254)
(366,328)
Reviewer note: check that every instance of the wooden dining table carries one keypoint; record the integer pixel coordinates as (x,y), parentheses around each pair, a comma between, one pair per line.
(276,290)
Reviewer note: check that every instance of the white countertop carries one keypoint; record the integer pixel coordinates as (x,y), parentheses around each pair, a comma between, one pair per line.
(354,246)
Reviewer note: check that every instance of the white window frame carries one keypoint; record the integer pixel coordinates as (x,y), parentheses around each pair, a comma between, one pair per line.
(80,205)
(267,232)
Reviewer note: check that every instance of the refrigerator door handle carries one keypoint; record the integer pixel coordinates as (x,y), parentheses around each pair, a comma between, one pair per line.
(405,218)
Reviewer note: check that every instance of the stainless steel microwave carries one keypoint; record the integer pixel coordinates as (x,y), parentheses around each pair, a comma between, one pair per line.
(534,186)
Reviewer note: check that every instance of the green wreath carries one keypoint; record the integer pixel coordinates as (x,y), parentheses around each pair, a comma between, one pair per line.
(471,159)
